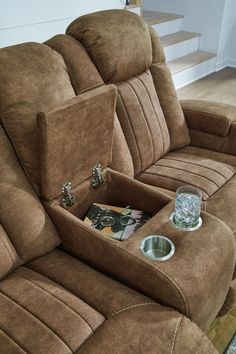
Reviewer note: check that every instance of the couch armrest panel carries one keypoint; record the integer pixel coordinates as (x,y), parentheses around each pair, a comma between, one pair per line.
(209,117)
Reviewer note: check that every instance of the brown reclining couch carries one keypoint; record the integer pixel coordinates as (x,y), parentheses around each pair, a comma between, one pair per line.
(163,142)
(51,302)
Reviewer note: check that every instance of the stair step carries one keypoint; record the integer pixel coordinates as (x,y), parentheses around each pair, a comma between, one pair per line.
(153,18)
(180,44)
(189,61)
(163,23)
(178,37)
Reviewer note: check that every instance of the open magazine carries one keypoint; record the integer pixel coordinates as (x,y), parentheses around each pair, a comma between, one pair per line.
(116,222)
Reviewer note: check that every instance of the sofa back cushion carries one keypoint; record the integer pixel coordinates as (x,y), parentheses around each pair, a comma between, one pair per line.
(179,134)
(118,43)
(120,46)
(33,78)
(83,73)
(26,231)
(142,120)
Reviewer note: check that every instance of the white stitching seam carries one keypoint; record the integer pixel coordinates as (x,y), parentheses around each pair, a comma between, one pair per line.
(131,307)
(175,334)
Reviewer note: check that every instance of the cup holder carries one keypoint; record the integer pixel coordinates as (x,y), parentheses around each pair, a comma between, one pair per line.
(157,247)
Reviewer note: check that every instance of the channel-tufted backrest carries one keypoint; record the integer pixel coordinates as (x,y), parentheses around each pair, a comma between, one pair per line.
(127,53)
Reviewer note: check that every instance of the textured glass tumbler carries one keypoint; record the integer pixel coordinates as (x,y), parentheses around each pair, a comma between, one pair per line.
(187,207)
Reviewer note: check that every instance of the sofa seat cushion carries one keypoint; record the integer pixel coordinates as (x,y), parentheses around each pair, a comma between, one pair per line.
(210,154)
(149,329)
(99,291)
(179,168)
(67,307)
(39,316)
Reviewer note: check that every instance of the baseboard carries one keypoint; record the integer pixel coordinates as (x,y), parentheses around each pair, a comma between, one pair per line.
(224,63)
(232,63)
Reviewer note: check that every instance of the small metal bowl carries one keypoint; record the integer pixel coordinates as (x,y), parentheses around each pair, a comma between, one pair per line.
(157,247)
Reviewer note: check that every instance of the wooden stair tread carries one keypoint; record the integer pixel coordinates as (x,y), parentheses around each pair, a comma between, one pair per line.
(178,37)
(189,60)
(153,18)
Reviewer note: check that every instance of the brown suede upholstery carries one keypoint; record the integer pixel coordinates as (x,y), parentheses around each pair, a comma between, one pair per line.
(179,135)
(27,227)
(142,120)
(139,343)
(178,168)
(41,84)
(209,117)
(55,303)
(135,38)
(111,58)
(8,255)
(226,145)
(120,147)
(207,262)
(65,132)
(79,310)
(85,76)
(83,73)
(210,154)
(211,172)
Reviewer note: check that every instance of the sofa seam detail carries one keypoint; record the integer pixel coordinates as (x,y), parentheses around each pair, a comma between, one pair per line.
(131,307)
(13,340)
(145,118)
(37,319)
(53,296)
(196,164)
(188,172)
(175,333)
(172,178)
(154,109)
(129,122)
(7,249)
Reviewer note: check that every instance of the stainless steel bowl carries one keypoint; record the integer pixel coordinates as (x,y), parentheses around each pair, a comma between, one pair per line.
(157,247)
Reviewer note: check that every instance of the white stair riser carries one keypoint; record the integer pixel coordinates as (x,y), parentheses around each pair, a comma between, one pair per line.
(168,27)
(181,49)
(194,73)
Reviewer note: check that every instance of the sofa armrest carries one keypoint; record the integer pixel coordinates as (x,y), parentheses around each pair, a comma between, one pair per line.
(209,117)
(211,125)
(178,283)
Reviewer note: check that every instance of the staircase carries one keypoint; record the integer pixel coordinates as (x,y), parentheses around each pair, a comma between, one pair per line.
(187,63)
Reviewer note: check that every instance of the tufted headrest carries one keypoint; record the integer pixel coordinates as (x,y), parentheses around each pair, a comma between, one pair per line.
(118,42)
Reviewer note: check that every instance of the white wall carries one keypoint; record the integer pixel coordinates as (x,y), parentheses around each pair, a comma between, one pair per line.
(227,43)
(29,20)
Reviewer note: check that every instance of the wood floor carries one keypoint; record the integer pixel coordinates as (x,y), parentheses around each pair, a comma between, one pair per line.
(219,87)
